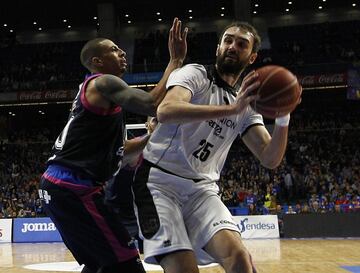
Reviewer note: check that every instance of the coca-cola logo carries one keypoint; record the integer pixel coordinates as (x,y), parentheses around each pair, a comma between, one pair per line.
(62,94)
(36,95)
(44,95)
(307,80)
(322,79)
(330,79)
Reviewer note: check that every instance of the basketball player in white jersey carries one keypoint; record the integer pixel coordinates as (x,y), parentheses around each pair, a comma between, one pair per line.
(181,217)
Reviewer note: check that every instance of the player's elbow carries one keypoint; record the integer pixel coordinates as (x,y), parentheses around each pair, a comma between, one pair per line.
(163,113)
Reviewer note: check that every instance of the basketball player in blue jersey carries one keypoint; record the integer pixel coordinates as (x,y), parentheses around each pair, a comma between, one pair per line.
(181,216)
(90,151)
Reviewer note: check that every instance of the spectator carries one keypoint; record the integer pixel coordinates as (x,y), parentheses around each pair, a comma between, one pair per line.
(252,209)
(290,210)
(337,209)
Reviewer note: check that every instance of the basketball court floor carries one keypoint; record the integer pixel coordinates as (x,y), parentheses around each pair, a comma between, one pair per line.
(270,256)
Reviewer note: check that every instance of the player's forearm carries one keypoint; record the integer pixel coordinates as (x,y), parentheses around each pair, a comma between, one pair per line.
(133,149)
(135,145)
(274,151)
(183,112)
(159,91)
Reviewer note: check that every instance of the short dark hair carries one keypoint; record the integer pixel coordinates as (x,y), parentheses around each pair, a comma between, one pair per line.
(246,26)
(91,49)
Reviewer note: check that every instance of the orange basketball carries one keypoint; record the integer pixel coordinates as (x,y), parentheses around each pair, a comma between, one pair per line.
(279,92)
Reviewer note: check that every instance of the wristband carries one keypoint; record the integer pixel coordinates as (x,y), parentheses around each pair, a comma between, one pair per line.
(283,121)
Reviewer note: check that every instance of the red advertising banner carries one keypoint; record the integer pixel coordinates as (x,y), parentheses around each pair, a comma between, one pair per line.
(44,96)
(307,81)
(322,80)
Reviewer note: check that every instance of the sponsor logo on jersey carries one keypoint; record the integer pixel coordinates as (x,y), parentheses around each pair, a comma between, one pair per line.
(223,222)
(218,126)
(228,123)
(167,243)
(45,196)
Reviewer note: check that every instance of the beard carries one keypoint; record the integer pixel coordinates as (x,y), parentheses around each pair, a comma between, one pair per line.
(230,66)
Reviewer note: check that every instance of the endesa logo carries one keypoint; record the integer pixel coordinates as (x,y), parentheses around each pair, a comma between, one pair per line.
(255,226)
(35,230)
(258,226)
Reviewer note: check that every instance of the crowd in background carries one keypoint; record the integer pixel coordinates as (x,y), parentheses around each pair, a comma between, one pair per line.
(21,164)
(57,65)
(320,172)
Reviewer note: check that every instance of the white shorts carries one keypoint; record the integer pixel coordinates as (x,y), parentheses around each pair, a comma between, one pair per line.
(175,213)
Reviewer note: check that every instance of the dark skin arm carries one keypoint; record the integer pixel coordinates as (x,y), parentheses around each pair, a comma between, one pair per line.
(107,90)
(120,93)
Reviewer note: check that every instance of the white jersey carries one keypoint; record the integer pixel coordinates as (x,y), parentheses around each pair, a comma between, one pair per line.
(198,150)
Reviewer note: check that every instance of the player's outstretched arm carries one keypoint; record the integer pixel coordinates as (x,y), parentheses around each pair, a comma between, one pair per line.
(118,92)
(177,45)
(176,106)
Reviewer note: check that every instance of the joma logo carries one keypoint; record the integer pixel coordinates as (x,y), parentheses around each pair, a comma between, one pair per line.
(38,227)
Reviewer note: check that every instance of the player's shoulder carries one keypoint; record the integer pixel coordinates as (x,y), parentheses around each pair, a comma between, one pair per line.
(193,71)
(194,67)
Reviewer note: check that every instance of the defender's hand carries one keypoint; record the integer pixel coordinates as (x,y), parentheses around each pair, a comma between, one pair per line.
(177,41)
(151,124)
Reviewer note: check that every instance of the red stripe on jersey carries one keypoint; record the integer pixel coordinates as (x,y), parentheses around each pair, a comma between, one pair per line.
(95,109)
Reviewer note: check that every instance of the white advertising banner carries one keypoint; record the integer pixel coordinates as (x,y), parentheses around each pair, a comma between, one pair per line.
(5,230)
(258,226)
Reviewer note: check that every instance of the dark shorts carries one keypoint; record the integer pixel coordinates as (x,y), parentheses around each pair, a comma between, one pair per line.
(119,196)
(88,227)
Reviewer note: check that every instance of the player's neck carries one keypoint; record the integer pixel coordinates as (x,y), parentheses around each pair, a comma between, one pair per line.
(230,79)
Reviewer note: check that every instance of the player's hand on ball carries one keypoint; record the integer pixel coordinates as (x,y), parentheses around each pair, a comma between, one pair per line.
(279,91)
(246,92)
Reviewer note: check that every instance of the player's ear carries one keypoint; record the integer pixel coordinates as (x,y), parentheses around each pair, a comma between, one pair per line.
(96,61)
(253,57)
